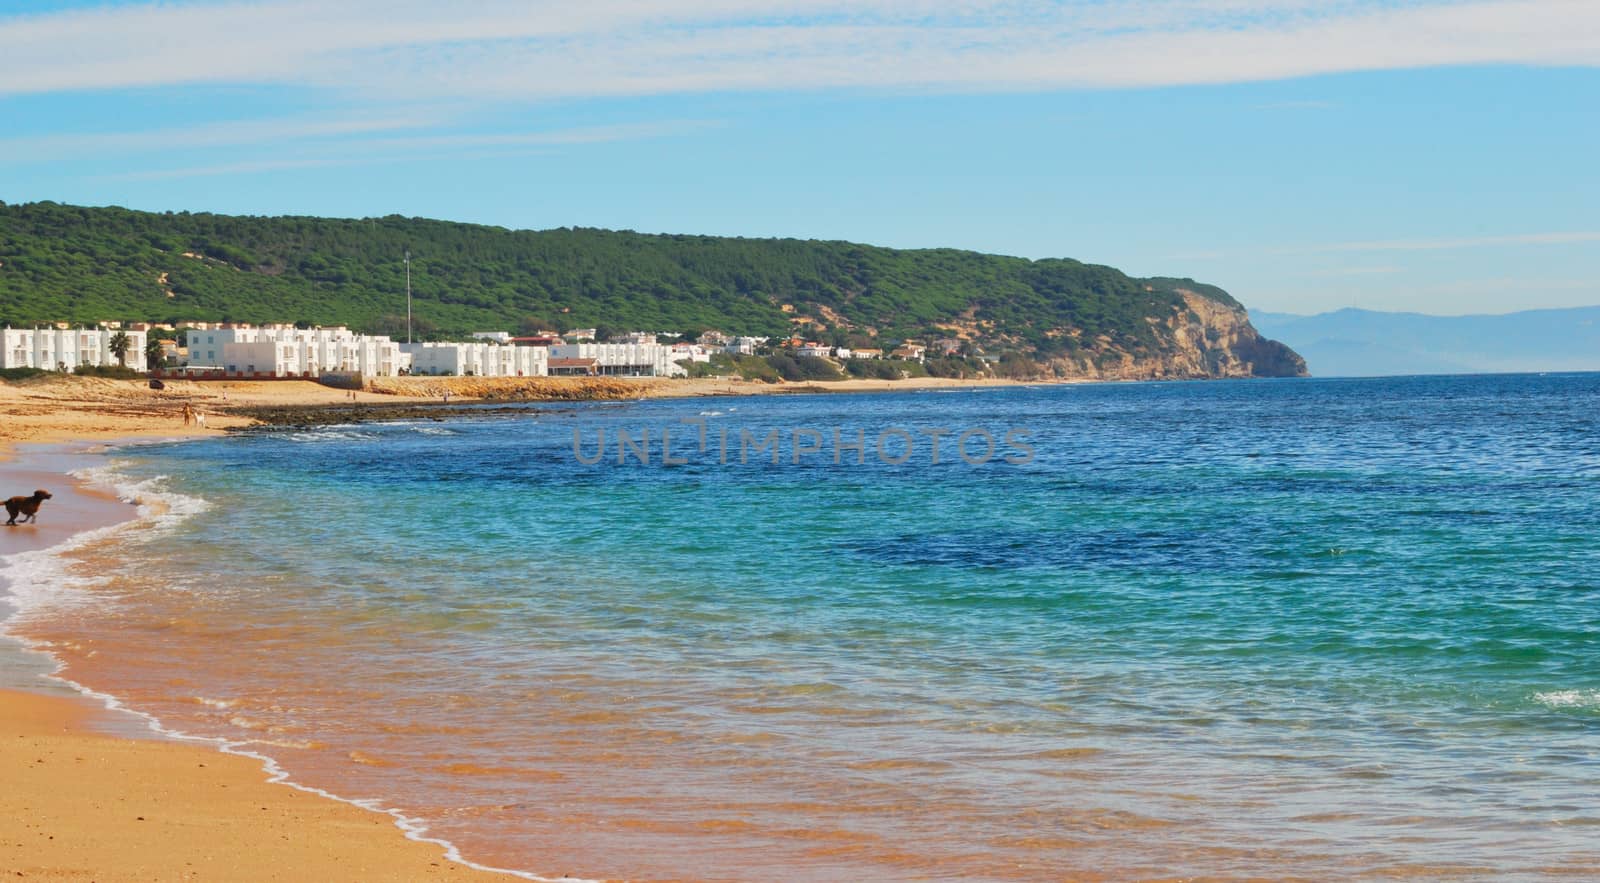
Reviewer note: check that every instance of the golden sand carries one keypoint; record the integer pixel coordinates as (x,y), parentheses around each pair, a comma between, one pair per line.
(77,805)
(61,409)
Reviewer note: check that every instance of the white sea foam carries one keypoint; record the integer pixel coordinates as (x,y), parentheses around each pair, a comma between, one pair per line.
(330,434)
(44,577)
(160,507)
(1569,698)
(413,828)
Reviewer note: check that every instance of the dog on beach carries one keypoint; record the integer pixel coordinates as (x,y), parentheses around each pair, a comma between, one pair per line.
(28,507)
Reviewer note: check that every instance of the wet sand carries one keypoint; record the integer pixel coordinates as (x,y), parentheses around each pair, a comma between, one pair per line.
(92,794)
(85,800)
(81,805)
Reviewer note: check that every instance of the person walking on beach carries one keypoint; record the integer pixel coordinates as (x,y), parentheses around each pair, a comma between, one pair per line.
(188,413)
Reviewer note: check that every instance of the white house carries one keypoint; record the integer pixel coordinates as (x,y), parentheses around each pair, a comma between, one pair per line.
(743,346)
(67,349)
(634,360)
(693,352)
(477,359)
(286,351)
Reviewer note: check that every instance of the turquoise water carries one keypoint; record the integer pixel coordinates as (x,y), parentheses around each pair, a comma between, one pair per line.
(1272,629)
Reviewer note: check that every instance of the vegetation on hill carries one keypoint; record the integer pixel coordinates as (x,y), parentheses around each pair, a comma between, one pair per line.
(68,263)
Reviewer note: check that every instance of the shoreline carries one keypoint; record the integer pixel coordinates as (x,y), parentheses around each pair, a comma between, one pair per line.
(70,409)
(101,791)
(121,756)
(83,804)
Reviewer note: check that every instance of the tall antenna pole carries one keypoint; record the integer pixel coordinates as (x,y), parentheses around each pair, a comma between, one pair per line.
(408,295)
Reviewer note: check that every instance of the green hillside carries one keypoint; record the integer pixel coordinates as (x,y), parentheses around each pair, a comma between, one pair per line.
(68,263)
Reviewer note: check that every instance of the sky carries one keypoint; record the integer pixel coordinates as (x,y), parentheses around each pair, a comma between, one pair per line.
(1413,155)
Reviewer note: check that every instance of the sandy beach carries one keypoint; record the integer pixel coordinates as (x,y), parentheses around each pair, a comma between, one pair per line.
(70,409)
(82,805)
(87,796)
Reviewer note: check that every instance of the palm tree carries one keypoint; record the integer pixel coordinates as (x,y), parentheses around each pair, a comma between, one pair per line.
(120,343)
(154,354)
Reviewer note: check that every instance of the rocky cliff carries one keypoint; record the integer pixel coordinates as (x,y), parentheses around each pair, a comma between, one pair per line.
(1202,339)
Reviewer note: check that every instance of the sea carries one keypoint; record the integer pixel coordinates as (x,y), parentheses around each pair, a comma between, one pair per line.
(1269,629)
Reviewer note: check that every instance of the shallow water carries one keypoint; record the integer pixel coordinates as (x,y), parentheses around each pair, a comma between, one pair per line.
(1272,629)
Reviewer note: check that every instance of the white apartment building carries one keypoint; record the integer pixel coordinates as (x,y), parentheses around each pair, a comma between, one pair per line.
(477,359)
(743,346)
(285,351)
(66,349)
(694,352)
(634,360)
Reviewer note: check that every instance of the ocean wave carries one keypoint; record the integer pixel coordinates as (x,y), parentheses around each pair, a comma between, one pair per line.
(331,434)
(39,578)
(412,827)
(159,506)
(1569,698)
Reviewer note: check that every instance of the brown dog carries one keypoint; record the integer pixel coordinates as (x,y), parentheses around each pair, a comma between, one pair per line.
(25,506)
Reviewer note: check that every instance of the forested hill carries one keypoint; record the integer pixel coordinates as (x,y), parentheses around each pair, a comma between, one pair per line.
(69,263)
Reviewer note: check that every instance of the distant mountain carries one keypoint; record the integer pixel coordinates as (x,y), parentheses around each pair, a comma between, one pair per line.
(78,264)
(1365,343)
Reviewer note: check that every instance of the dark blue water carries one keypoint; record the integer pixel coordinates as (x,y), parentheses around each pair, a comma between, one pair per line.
(1262,629)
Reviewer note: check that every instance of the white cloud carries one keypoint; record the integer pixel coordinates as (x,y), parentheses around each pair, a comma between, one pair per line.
(362,151)
(41,148)
(1577,237)
(1339,272)
(523,50)
(239,168)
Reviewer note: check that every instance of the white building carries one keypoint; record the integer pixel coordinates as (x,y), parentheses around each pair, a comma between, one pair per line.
(815,350)
(495,336)
(634,360)
(693,352)
(285,351)
(478,359)
(67,349)
(743,346)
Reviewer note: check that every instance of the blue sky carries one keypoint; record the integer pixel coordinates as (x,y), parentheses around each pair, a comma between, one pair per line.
(1427,156)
